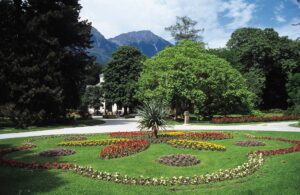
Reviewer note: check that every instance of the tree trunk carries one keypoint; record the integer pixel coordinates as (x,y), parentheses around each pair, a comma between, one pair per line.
(155,131)
(125,110)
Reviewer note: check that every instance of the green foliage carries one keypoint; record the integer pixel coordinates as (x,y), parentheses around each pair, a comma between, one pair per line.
(121,76)
(43,59)
(187,76)
(93,72)
(255,81)
(93,97)
(276,56)
(185,29)
(255,77)
(293,89)
(152,115)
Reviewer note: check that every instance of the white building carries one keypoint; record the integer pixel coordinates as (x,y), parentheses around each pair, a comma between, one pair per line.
(103,109)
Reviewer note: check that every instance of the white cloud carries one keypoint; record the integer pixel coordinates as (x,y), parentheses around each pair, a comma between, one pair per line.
(240,11)
(290,30)
(113,17)
(278,13)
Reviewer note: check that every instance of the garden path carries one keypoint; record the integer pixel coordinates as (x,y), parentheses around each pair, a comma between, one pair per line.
(115,125)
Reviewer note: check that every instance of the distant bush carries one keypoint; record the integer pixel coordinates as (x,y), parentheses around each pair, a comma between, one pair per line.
(109,116)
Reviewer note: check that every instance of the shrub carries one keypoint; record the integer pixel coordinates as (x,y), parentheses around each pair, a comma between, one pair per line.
(179,160)
(109,116)
(152,116)
(57,152)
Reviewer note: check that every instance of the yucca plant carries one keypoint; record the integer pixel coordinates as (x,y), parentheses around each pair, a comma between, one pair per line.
(152,116)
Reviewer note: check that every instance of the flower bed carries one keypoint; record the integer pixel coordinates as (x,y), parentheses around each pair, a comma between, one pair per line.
(97,142)
(131,134)
(206,135)
(253,119)
(255,161)
(198,145)
(295,148)
(57,152)
(75,138)
(29,165)
(179,160)
(124,148)
(249,167)
(172,133)
(248,143)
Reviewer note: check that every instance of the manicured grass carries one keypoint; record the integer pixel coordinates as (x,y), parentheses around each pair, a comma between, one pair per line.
(279,174)
(7,126)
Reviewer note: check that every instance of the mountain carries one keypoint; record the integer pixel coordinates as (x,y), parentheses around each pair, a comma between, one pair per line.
(101,47)
(146,41)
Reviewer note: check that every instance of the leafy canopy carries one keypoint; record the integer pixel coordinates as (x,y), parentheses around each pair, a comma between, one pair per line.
(121,76)
(185,29)
(187,75)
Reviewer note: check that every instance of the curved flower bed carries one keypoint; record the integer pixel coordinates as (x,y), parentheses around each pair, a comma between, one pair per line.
(248,143)
(253,119)
(179,160)
(29,165)
(124,148)
(207,135)
(96,142)
(172,133)
(75,138)
(295,148)
(130,134)
(198,145)
(254,162)
(57,152)
(249,167)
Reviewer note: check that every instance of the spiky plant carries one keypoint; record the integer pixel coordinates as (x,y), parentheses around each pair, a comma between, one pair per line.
(152,116)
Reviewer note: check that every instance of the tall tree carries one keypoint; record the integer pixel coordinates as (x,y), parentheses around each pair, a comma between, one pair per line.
(93,97)
(267,51)
(121,76)
(255,77)
(293,89)
(187,75)
(185,29)
(44,60)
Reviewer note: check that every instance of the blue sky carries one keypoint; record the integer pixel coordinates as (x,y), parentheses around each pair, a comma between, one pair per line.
(219,18)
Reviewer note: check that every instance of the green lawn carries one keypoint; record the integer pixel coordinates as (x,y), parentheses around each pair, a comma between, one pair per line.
(8,127)
(279,174)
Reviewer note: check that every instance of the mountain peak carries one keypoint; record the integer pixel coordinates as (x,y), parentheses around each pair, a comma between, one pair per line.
(144,40)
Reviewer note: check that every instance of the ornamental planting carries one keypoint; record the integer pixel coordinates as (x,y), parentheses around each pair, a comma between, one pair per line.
(123,148)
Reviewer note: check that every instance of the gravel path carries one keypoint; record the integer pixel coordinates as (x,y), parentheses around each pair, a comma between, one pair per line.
(115,125)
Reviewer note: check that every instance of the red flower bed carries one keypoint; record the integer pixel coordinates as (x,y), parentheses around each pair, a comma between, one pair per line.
(295,148)
(131,134)
(253,119)
(206,135)
(124,148)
